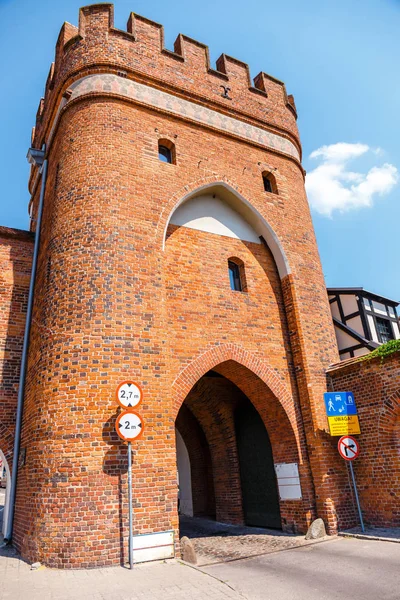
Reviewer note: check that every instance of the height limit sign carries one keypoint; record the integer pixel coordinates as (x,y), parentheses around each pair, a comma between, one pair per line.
(129,394)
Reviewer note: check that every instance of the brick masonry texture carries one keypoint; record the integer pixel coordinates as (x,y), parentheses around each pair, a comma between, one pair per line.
(121,293)
(16,249)
(376,387)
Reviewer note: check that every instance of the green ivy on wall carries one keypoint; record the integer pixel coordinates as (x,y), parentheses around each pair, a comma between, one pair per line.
(384,350)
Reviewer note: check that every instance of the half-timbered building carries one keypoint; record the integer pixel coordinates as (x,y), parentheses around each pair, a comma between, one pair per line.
(362,320)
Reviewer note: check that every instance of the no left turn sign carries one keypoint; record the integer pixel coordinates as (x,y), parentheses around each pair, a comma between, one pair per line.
(129,426)
(348,447)
(129,394)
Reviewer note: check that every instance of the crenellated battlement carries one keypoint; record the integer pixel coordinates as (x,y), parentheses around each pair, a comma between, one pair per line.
(96,46)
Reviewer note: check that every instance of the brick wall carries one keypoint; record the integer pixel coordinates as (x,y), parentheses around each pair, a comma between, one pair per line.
(114,302)
(16,247)
(376,387)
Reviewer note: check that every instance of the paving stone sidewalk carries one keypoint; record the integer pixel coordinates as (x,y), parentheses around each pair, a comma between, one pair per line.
(152,581)
(385,534)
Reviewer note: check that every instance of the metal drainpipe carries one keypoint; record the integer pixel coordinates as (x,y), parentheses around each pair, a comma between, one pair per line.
(36,157)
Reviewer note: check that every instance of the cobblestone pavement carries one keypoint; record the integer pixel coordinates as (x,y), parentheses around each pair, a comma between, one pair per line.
(218,542)
(391,534)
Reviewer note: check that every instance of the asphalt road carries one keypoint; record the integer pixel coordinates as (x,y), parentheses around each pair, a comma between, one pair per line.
(340,569)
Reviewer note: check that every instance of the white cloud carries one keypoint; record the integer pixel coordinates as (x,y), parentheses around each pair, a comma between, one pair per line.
(332,186)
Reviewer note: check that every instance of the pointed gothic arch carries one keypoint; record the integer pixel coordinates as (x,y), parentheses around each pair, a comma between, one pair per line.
(225,353)
(242,205)
(389,418)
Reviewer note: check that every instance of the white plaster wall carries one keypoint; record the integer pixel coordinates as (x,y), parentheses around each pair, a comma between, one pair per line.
(357,325)
(211,214)
(7,497)
(361,352)
(396,330)
(349,304)
(184,476)
(344,340)
(335,310)
(371,324)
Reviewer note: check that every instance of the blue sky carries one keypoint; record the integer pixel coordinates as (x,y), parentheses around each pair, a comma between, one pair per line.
(340,59)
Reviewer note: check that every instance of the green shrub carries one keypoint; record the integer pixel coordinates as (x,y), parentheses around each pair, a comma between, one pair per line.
(384,350)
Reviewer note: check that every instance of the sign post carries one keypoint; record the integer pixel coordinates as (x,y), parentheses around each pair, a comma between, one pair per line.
(349,450)
(130,505)
(129,426)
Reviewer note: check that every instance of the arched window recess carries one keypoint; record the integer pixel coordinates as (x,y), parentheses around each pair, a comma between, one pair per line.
(269,182)
(237,274)
(166,151)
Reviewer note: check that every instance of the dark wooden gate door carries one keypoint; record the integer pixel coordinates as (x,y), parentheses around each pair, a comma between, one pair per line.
(257,474)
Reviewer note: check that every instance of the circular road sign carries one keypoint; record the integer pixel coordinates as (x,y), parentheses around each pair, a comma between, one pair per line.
(129,425)
(348,447)
(129,394)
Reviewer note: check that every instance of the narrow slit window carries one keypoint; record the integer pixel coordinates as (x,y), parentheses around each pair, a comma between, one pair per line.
(164,154)
(166,151)
(269,183)
(234,276)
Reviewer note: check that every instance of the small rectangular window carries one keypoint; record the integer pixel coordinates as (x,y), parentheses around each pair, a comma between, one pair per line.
(234,276)
(379,307)
(367,304)
(384,328)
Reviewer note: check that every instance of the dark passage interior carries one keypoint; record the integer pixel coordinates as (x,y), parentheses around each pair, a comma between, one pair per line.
(224,455)
(257,474)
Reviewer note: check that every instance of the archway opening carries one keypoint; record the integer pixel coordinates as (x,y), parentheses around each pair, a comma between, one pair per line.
(225,453)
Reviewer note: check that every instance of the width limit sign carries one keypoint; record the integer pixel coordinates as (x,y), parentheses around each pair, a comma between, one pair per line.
(129,426)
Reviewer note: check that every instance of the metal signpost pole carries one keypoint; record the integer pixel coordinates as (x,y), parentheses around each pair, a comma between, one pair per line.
(129,426)
(356,495)
(130,506)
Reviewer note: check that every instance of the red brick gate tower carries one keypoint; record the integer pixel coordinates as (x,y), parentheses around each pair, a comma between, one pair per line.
(133,282)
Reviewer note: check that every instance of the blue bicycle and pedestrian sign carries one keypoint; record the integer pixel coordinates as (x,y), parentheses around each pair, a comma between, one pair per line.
(341,411)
